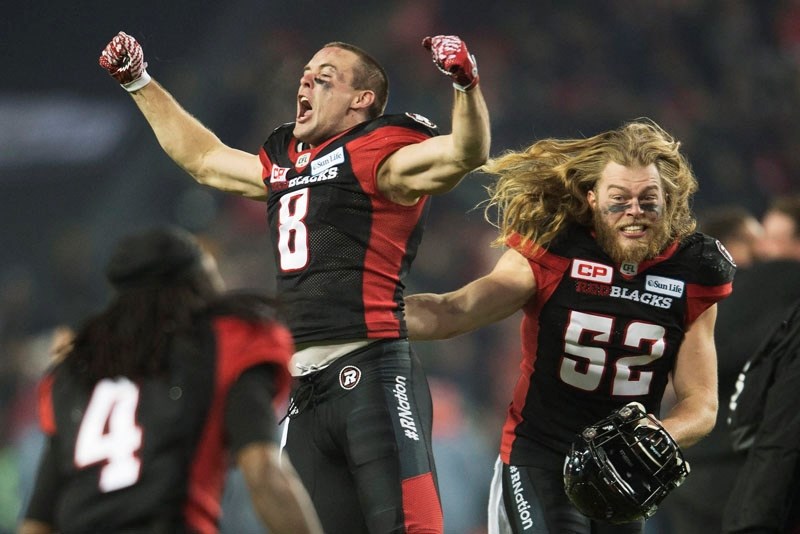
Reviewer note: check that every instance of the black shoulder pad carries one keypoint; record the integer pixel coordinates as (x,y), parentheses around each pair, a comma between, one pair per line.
(405,120)
(714,264)
(278,139)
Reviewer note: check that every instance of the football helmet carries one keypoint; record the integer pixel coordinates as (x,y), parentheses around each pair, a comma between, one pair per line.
(619,469)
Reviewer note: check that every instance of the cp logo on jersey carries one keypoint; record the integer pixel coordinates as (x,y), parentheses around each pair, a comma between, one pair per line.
(589,270)
(277,179)
(349,377)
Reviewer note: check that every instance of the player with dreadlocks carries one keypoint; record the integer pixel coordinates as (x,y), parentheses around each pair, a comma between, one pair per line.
(155,392)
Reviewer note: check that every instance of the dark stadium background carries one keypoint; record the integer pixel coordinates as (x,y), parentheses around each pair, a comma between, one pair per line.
(79,167)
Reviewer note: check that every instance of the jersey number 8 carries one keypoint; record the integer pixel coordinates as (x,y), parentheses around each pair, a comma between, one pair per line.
(292,231)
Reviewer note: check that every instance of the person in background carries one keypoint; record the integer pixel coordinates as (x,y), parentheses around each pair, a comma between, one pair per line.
(347,190)
(618,294)
(764,290)
(781,224)
(765,496)
(155,392)
(763,293)
(696,506)
(737,229)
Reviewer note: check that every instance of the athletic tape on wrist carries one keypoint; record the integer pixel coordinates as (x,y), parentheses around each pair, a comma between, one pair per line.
(138,83)
(465,89)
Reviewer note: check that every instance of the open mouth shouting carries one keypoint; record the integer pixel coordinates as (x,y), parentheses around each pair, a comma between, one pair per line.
(304,108)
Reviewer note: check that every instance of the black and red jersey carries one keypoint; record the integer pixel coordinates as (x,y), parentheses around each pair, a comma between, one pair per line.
(598,335)
(132,454)
(341,248)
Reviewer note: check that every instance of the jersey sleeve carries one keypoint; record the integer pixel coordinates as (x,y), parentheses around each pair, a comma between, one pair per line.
(243,344)
(527,248)
(712,280)
(376,146)
(266,165)
(249,416)
(547,268)
(520,244)
(46,411)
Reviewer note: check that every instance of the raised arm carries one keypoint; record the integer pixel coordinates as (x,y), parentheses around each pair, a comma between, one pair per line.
(437,165)
(481,302)
(190,144)
(695,383)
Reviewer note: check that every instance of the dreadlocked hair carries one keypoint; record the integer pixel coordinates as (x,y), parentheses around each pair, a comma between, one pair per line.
(543,188)
(132,336)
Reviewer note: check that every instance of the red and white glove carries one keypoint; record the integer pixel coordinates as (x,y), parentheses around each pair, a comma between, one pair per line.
(450,55)
(123,58)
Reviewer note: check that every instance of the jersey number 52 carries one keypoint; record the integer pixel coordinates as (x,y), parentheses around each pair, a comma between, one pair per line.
(583,366)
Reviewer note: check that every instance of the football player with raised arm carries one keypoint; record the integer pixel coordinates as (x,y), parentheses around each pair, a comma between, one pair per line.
(618,294)
(347,188)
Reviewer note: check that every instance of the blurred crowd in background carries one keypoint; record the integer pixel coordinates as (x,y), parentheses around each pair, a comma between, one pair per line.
(78,167)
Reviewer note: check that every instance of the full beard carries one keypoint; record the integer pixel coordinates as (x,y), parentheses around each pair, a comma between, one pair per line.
(636,251)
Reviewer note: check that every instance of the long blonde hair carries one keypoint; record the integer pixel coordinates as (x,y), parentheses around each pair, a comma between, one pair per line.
(542,189)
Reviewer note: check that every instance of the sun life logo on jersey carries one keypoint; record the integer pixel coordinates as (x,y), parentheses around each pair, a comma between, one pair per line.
(664,286)
(349,377)
(328,160)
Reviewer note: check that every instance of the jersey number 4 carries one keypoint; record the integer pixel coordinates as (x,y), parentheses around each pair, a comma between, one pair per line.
(109,434)
(583,366)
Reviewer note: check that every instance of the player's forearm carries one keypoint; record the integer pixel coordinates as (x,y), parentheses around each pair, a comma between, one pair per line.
(470,137)
(471,133)
(181,135)
(278,496)
(190,144)
(431,316)
(283,511)
(692,418)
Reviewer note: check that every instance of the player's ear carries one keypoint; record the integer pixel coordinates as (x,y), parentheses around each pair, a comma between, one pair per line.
(591,199)
(363,99)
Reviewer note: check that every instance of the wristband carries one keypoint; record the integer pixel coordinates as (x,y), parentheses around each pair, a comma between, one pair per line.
(138,83)
(465,89)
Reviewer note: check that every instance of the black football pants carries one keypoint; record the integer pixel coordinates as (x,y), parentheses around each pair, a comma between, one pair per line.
(361,442)
(534,502)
